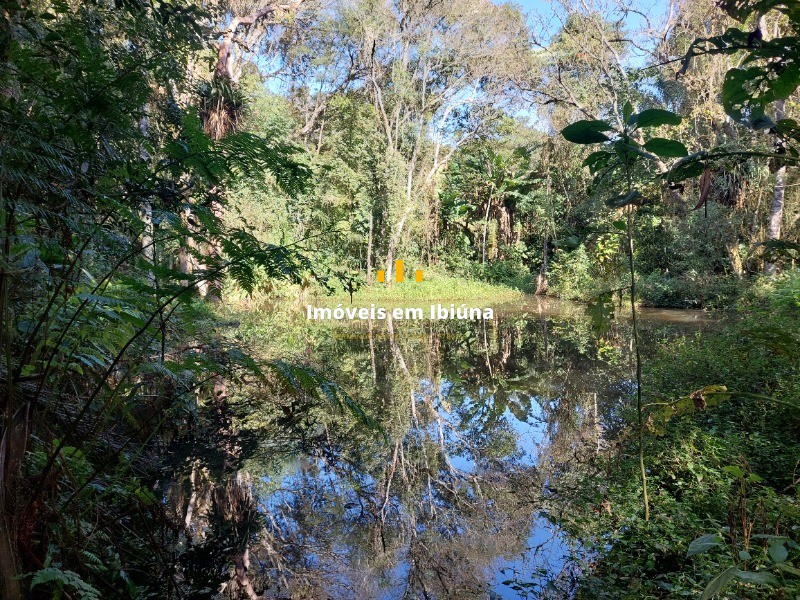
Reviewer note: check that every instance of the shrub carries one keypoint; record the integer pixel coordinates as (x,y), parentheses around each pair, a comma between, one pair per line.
(688,291)
(571,274)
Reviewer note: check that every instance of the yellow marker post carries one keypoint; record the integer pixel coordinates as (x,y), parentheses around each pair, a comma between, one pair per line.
(381,276)
(418,275)
(398,271)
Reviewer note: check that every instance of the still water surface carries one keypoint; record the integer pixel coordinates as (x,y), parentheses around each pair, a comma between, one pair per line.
(449,497)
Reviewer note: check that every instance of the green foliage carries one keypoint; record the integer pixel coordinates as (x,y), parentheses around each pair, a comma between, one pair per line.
(112,204)
(587,132)
(774,554)
(572,275)
(653,117)
(65,579)
(689,291)
(725,509)
(769,72)
(127,190)
(623,149)
(665,148)
(298,381)
(772,71)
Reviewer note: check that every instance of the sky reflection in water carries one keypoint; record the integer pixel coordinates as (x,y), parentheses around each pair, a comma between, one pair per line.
(479,417)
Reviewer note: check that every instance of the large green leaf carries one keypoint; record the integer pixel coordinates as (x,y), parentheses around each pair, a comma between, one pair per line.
(734,470)
(568,243)
(653,117)
(742,9)
(627,110)
(623,200)
(746,93)
(66,578)
(784,85)
(788,127)
(789,569)
(735,95)
(703,543)
(778,552)
(719,583)
(688,167)
(597,161)
(666,148)
(757,578)
(586,132)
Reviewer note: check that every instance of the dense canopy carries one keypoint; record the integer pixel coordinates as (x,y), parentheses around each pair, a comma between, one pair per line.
(182,181)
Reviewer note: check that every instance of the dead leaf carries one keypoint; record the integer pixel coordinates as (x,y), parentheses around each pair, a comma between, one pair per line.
(705,187)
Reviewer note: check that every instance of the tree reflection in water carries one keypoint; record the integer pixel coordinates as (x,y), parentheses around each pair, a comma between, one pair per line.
(286,498)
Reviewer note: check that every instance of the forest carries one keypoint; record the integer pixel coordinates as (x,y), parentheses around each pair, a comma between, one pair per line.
(607,190)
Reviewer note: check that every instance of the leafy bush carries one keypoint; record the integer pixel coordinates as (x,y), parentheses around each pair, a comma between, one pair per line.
(571,274)
(723,470)
(689,291)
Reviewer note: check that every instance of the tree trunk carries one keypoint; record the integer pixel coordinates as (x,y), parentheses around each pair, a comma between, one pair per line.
(486,228)
(398,232)
(778,194)
(214,252)
(393,241)
(148,248)
(187,260)
(505,220)
(369,248)
(9,564)
(241,564)
(9,584)
(225,67)
(736,257)
(146,206)
(542,284)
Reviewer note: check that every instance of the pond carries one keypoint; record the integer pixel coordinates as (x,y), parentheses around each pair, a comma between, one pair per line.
(440,489)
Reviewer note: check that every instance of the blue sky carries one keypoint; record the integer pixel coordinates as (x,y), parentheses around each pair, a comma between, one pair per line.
(529,5)
(655,9)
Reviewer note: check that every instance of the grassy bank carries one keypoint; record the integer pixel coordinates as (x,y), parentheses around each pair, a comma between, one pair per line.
(435,288)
